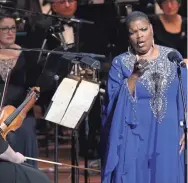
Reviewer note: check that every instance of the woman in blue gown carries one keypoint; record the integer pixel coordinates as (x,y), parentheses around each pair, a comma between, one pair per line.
(142,137)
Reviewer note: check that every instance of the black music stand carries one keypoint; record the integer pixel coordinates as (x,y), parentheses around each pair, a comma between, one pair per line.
(56,141)
(53,77)
(74,141)
(75,149)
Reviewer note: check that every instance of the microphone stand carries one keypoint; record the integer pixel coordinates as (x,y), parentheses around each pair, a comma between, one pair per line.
(63,53)
(93,63)
(184,121)
(29,13)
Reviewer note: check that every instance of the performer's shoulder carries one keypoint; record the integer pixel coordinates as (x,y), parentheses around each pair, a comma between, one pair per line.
(124,60)
(123,57)
(166,50)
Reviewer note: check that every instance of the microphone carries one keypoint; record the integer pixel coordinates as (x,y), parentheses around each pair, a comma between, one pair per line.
(55,28)
(175,58)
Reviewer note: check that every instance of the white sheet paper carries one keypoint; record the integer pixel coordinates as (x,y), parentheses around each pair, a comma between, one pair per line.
(61,99)
(67,109)
(82,101)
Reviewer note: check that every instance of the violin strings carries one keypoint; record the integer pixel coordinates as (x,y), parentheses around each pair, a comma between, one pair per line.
(18,110)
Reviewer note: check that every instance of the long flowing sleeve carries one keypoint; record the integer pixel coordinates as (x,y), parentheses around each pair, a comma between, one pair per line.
(120,111)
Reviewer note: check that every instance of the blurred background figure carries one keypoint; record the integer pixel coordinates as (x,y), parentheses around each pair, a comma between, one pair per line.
(66,8)
(170,28)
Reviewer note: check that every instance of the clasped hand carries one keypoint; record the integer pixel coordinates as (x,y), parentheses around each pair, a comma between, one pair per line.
(140,66)
(19,158)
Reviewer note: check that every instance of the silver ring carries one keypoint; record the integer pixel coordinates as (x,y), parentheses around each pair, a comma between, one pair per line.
(140,66)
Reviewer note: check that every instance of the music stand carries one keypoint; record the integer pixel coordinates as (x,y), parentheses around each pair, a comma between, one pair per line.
(55,75)
(75,149)
(65,109)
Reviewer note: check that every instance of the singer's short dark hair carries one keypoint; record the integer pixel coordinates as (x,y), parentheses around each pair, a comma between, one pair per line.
(5,13)
(135,15)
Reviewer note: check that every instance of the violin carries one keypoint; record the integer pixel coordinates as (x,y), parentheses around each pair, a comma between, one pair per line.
(65,8)
(11,118)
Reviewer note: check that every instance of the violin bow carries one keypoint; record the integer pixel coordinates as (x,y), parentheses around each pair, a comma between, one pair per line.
(62,164)
(5,87)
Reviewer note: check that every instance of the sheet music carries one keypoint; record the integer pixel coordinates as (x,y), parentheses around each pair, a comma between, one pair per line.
(83,99)
(61,99)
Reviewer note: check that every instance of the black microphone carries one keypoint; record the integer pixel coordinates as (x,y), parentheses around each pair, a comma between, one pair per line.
(175,58)
(55,28)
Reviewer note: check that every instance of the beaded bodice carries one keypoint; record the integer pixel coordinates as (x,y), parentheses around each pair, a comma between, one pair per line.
(5,65)
(156,80)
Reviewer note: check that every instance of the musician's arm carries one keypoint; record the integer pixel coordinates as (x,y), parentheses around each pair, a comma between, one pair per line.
(8,154)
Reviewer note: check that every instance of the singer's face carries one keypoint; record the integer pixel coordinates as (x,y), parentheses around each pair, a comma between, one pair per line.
(141,35)
(7,31)
(65,7)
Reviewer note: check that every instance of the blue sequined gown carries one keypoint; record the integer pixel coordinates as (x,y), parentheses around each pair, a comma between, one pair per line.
(140,134)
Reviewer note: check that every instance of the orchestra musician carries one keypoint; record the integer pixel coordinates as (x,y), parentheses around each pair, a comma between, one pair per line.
(65,8)
(23,140)
(67,34)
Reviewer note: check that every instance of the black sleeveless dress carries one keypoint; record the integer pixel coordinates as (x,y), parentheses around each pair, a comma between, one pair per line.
(172,40)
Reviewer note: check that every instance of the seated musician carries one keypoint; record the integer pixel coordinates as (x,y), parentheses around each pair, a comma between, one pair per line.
(66,8)
(23,140)
(12,170)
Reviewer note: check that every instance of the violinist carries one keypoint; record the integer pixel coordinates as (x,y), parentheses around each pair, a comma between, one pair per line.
(13,169)
(23,140)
